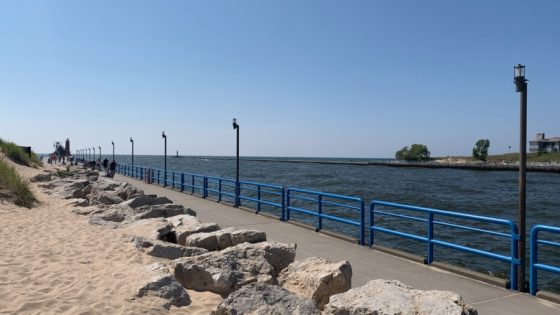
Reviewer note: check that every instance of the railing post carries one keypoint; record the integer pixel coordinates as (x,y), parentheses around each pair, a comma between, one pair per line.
(173,180)
(141,173)
(533,260)
(288,205)
(514,256)
(205,187)
(283,210)
(371,222)
(158,177)
(192,184)
(320,213)
(219,190)
(258,198)
(430,237)
(362,222)
(182,182)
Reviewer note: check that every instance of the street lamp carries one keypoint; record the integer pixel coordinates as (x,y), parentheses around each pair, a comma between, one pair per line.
(132,141)
(164,158)
(521,88)
(94,155)
(100,157)
(113,143)
(237,188)
(89,154)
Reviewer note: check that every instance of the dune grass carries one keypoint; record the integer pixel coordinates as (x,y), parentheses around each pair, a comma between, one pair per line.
(16,154)
(13,187)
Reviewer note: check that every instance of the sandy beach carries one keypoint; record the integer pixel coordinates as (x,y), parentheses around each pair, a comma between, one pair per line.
(53,262)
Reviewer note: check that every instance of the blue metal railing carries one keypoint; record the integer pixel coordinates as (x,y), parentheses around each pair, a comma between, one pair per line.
(534,264)
(260,194)
(431,240)
(319,200)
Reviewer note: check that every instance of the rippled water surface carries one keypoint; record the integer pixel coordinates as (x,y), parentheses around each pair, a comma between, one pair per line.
(492,194)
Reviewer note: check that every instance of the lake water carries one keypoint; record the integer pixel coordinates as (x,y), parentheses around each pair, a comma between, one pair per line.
(492,194)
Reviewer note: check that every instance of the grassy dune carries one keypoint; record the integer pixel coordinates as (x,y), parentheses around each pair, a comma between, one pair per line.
(16,154)
(13,187)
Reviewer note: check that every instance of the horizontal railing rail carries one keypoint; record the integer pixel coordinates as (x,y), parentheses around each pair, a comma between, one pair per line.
(431,240)
(255,193)
(534,264)
(317,199)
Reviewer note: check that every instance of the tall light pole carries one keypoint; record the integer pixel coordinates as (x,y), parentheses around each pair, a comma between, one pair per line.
(237,188)
(93,154)
(164,158)
(113,143)
(132,141)
(100,157)
(521,88)
(89,154)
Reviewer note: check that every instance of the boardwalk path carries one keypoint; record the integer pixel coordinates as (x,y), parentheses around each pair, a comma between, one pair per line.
(366,264)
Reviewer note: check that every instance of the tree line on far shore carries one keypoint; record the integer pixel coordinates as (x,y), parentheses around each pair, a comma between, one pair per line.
(420,152)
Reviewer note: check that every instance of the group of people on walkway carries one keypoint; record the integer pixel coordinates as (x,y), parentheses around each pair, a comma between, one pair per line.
(108,168)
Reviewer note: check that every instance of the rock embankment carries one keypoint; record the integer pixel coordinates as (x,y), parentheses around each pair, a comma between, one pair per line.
(252,274)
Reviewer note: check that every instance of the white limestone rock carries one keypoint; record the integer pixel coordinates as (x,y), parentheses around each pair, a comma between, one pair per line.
(316,278)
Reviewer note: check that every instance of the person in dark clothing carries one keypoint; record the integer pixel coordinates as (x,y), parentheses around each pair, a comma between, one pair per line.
(112,168)
(105,163)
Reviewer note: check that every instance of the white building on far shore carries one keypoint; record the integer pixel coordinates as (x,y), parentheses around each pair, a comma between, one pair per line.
(541,144)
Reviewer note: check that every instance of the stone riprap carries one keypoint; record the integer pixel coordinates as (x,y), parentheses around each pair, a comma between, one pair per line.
(317,278)
(393,297)
(263,299)
(222,239)
(166,250)
(163,284)
(225,271)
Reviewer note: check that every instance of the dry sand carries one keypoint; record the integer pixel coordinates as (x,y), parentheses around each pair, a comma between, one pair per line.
(54,262)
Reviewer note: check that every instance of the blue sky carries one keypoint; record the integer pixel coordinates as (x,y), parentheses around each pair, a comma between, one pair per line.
(303,78)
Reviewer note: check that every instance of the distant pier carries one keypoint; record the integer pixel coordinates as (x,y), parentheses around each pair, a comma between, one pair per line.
(393,163)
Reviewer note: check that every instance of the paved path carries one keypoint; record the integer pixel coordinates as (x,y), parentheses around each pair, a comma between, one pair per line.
(367,264)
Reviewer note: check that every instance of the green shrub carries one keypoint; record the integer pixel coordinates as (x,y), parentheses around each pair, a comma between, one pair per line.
(17,188)
(16,154)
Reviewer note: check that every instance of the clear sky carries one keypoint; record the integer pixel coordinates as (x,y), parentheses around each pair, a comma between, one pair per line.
(303,78)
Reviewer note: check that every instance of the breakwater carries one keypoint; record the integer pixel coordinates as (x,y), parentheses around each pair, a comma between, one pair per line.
(540,168)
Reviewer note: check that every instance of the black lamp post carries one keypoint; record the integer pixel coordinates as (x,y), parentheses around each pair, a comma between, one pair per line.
(521,88)
(100,157)
(164,158)
(113,144)
(89,154)
(237,188)
(132,141)
(93,154)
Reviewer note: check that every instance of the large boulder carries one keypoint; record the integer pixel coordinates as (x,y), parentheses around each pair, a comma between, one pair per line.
(167,250)
(264,299)
(154,228)
(127,191)
(163,284)
(228,270)
(316,278)
(69,188)
(106,199)
(160,210)
(393,297)
(106,184)
(146,200)
(222,239)
(192,227)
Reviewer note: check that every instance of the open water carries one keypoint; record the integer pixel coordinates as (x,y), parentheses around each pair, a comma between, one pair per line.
(493,194)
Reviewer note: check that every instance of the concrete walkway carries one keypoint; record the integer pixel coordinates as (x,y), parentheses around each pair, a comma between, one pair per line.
(367,264)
